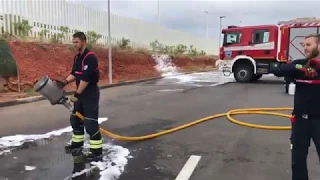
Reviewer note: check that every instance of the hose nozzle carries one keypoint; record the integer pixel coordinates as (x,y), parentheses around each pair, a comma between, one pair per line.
(66,103)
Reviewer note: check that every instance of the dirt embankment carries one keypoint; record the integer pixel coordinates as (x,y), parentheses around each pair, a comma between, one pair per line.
(35,60)
(185,63)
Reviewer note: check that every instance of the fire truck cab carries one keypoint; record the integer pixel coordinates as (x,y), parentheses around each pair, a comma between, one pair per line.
(249,51)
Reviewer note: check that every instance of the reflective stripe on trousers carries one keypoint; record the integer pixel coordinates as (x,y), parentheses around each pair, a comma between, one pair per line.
(96,144)
(77,138)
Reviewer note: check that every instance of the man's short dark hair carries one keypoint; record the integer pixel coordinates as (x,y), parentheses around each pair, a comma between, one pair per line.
(80,35)
(317,36)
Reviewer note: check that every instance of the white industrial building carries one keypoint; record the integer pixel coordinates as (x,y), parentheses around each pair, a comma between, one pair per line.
(52,14)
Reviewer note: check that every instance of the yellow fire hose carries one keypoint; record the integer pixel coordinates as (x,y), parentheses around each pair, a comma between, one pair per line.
(262,111)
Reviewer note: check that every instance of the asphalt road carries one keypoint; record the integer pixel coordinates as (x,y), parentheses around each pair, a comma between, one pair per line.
(227,151)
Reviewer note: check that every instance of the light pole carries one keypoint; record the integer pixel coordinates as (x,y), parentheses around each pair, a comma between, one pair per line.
(207,12)
(158,15)
(110,45)
(220,29)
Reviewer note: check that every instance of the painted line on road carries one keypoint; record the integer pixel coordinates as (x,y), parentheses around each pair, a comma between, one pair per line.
(188,168)
(169,90)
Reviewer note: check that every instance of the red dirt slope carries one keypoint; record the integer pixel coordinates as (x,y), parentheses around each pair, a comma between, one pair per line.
(35,60)
(199,63)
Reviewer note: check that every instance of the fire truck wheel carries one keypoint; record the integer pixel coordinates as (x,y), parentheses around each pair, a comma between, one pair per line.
(243,73)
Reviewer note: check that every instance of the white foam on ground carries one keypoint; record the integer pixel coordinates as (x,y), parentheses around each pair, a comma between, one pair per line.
(113,164)
(19,139)
(111,168)
(216,78)
(165,66)
(29,168)
(170,71)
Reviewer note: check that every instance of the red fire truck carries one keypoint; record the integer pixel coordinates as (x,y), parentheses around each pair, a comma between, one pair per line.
(248,51)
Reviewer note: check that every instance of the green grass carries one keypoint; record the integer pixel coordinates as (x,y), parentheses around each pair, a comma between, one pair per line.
(30,92)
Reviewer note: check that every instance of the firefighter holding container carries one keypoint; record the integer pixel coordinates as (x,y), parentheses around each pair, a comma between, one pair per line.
(85,73)
(306,113)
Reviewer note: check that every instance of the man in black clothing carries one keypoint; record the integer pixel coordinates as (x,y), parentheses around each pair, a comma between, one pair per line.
(306,113)
(85,72)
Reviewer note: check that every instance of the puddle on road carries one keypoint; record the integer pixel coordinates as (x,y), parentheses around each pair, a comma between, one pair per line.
(31,144)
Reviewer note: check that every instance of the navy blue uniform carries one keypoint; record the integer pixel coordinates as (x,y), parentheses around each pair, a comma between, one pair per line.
(85,68)
(306,122)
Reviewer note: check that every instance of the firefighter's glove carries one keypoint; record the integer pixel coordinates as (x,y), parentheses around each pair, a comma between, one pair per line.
(309,72)
(75,97)
(315,63)
(61,84)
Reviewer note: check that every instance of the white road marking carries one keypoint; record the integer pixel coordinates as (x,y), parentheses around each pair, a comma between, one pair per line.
(188,168)
(169,90)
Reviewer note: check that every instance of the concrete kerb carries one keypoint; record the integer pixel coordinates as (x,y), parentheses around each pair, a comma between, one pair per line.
(39,98)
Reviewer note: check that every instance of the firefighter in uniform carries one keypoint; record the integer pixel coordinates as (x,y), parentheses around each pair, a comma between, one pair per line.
(86,99)
(306,112)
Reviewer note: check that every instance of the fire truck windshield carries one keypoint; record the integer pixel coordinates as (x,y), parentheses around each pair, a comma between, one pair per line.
(231,38)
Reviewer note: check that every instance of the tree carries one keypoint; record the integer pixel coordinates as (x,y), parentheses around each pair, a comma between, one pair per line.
(43,33)
(124,43)
(64,29)
(22,27)
(64,32)
(93,37)
(156,46)
(203,53)
(180,49)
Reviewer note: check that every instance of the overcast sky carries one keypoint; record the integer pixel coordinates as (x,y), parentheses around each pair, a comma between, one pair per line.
(189,15)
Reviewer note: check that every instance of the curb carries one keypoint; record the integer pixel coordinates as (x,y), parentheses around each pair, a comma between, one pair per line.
(39,98)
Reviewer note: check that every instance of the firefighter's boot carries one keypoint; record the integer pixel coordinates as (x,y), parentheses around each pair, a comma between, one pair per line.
(76,144)
(74,148)
(95,155)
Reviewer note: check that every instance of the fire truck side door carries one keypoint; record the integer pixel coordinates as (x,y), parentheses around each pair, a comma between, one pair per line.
(263,44)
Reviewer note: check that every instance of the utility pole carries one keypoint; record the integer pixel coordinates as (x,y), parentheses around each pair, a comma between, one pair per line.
(207,14)
(158,15)
(220,29)
(109,44)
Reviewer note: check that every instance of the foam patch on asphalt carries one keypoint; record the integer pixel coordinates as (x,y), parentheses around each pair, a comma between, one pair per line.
(194,79)
(114,163)
(112,166)
(8,142)
(29,168)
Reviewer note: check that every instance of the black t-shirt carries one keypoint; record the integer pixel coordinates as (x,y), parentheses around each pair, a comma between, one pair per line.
(86,69)
(307,95)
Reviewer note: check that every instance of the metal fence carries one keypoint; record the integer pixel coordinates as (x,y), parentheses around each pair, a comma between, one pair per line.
(52,14)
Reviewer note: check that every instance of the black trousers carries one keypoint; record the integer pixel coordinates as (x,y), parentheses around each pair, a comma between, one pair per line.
(303,130)
(88,106)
